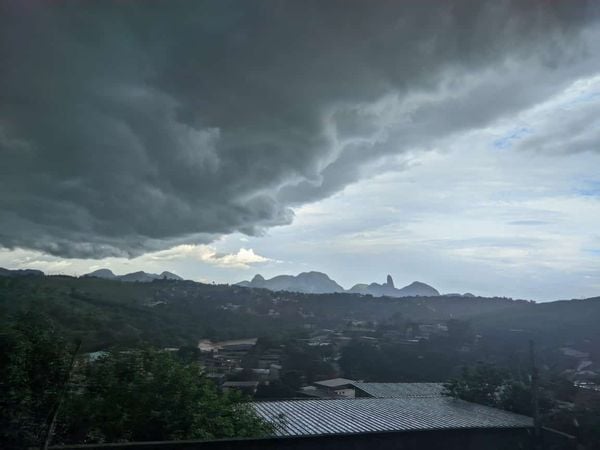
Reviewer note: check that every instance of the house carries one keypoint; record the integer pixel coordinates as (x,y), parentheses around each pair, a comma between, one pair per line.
(337,387)
(236,345)
(270,357)
(313,392)
(224,356)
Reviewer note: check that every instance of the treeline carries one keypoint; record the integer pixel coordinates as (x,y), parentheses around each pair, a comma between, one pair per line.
(106,313)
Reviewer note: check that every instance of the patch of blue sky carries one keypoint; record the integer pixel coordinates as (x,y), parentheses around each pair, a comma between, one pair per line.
(508,140)
(593,251)
(588,189)
(587,97)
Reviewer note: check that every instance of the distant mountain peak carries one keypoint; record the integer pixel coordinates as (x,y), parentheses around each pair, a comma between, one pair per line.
(101,273)
(313,275)
(389,281)
(418,288)
(169,276)
(388,289)
(308,282)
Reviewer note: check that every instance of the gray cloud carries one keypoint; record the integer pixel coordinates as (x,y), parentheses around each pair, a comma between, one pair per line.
(571,127)
(130,127)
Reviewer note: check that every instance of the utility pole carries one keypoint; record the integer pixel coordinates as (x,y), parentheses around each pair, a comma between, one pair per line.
(535,408)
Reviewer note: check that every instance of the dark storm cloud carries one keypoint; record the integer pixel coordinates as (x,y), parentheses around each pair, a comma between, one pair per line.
(130,126)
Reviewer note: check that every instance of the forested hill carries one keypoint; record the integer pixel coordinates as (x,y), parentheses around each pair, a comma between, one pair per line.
(169,313)
(573,323)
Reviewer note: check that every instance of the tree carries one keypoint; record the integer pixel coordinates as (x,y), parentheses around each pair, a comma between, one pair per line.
(149,395)
(308,362)
(459,331)
(35,363)
(275,390)
(133,395)
(478,384)
(488,385)
(583,421)
(515,396)
(361,360)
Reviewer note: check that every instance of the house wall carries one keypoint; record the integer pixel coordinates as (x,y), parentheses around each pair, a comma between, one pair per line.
(348,393)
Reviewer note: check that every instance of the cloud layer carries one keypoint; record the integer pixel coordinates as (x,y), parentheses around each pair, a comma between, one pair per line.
(242,259)
(130,127)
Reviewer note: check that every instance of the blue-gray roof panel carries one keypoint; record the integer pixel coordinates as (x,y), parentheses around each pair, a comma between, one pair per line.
(401,390)
(306,417)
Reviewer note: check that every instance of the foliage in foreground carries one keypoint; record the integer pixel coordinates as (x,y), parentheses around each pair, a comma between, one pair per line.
(149,395)
(123,396)
(34,363)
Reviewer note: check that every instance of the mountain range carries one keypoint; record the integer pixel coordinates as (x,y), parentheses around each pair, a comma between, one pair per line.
(320,283)
(106,274)
(306,282)
(20,272)
(140,277)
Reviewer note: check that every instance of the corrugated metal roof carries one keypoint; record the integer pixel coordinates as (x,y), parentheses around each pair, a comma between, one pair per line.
(401,390)
(305,417)
(334,382)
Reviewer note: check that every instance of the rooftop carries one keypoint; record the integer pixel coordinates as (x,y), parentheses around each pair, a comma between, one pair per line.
(314,391)
(313,417)
(206,345)
(334,382)
(240,384)
(401,390)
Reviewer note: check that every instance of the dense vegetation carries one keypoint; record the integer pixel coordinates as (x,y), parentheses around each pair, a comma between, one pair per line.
(138,395)
(105,313)
(494,386)
(135,393)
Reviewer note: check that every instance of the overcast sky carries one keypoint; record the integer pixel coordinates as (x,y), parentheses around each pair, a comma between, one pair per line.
(452,142)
